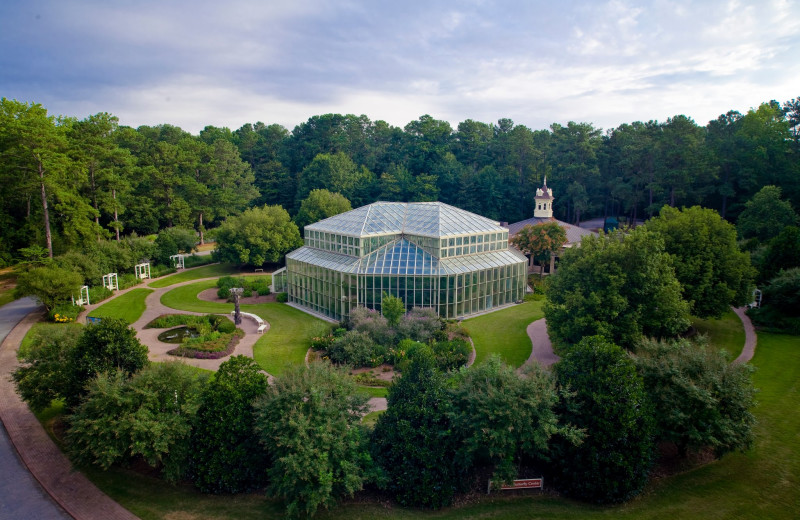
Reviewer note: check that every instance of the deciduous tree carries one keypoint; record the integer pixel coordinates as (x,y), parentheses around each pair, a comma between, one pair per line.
(257,236)
(540,240)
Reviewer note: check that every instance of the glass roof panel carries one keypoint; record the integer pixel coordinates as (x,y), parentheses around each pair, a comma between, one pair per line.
(433,219)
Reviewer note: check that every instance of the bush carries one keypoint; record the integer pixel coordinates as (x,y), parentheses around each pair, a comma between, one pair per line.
(371,322)
(44,375)
(309,421)
(50,285)
(282,297)
(64,313)
(99,293)
(700,398)
(413,440)
(257,236)
(149,415)
(127,280)
(259,284)
(226,457)
(102,347)
(610,403)
(452,354)
(354,348)
(419,324)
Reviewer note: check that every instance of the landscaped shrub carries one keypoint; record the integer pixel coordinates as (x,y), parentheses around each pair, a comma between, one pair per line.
(355,348)
(451,354)
(64,313)
(373,324)
(148,416)
(127,280)
(99,293)
(226,456)
(418,324)
(157,271)
(282,297)
(218,336)
(250,284)
(197,260)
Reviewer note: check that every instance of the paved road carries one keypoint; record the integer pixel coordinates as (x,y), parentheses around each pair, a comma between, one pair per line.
(21,496)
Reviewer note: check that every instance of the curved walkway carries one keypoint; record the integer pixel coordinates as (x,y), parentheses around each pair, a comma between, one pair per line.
(542,348)
(21,496)
(70,489)
(158,349)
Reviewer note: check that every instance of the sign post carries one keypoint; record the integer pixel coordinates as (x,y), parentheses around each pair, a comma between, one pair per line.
(523,483)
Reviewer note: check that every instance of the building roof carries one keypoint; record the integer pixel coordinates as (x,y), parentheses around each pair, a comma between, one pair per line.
(401,257)
(430,219)
(574,233)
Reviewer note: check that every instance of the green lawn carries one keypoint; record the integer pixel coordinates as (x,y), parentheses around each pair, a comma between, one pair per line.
(207,271)
(725,333)
(128,306)
(504,332)
(374,391)
(287,340)
(8,279)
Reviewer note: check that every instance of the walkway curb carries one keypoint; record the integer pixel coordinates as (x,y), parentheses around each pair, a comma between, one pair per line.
(69,488)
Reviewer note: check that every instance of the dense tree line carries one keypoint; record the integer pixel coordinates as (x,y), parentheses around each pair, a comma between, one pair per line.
(66,182)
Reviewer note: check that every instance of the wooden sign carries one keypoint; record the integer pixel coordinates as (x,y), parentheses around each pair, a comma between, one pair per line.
(523,483)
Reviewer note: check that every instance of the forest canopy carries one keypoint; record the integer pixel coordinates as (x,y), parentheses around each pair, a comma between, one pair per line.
(67,182)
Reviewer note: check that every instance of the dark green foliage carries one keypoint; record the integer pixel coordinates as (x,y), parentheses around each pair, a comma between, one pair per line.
(413,440)
(149,415)
(700,399)
(226,457)
(354,348)
(610,404)
(498,416)
(258,236)
(44,375)
(309,422)
(620,286)
(783,292)
(172,241)
(766,213)
(282,297)
(103,347)
(782,252)
(99,293)
(713,272)
(50,285)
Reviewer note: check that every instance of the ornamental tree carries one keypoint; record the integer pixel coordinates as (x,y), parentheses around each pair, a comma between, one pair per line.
(621,286)
(610,404)
(498,416)
(103,347)
(226,457)
(50,285)
(413,441)
(700,399)
(309,423)
(713,272)
(257,236)
(149,415)
(540,241)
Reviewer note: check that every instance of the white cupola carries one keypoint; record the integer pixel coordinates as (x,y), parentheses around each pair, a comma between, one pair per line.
(543,202)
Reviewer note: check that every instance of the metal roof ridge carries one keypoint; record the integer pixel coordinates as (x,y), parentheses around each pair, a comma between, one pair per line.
(366,217)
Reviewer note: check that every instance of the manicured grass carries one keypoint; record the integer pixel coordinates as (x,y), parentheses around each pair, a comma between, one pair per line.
(504,332)
(374,391)
(128,306)
(287,340)
(207,271)
(725,333)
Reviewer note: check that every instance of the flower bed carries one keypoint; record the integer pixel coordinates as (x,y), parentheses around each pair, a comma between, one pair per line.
(219,347)
(218,335)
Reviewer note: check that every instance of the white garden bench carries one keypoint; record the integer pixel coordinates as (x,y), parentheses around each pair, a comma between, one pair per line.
(262,325)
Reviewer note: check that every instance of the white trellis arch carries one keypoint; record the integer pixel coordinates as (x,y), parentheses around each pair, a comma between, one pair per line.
(84,297)
(177,261)
(111,282)
(142,270)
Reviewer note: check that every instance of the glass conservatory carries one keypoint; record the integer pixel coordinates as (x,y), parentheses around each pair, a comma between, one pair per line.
(429,254)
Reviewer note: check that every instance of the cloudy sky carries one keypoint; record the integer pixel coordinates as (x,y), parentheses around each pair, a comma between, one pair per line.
(197,63)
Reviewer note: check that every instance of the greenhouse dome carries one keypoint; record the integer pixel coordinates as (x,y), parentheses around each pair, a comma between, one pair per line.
(429,254)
